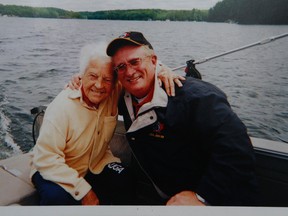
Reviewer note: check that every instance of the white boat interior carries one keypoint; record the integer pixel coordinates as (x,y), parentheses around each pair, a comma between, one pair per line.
(272,163)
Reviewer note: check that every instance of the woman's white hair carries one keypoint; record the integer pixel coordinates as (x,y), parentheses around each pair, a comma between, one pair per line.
(93,51)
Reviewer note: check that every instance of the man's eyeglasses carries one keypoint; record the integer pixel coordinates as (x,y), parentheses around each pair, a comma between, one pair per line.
(133,63)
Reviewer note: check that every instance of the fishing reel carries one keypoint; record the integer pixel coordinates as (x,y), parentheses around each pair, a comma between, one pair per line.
(191,70)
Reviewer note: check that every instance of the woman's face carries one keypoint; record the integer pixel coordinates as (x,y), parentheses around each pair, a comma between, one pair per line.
(97,82)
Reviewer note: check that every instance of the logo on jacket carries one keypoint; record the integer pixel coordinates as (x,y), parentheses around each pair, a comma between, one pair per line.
(157,129)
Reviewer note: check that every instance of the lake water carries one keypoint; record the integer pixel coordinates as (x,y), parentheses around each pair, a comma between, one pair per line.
(38,56)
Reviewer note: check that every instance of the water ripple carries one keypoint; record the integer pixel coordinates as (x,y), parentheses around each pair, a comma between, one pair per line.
(35,63)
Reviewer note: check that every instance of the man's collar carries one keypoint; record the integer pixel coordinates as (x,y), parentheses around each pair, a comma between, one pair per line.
(159,99)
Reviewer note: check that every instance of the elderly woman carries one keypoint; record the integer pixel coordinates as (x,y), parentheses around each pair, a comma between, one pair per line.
(72,162)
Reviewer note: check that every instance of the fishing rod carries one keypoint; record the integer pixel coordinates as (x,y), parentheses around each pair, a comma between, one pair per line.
(192,63)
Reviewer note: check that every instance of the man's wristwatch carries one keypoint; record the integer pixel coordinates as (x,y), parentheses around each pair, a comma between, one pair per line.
(201,199)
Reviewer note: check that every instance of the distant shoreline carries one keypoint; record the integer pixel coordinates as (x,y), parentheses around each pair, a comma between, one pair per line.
(270,13)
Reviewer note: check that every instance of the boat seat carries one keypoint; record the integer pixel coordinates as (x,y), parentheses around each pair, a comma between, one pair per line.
(16,187)
(119,144)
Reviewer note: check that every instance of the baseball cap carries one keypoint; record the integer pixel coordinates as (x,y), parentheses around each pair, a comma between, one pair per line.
(130,37)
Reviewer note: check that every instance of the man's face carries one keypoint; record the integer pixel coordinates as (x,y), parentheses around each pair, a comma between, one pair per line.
(136,66)
(97,82)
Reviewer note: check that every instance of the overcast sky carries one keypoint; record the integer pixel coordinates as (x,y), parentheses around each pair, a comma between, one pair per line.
(96,5)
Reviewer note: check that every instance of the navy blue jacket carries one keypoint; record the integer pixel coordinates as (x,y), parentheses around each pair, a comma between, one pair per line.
(196,143)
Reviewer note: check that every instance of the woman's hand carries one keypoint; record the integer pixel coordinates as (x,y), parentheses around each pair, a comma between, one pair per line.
(90,199)
(185,198)
(168,77)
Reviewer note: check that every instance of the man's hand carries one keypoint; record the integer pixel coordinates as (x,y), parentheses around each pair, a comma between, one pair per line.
(185,198)
(90,199)
(166,76)
(75,82)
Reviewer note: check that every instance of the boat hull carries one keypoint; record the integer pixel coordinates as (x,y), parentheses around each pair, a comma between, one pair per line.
(271,169)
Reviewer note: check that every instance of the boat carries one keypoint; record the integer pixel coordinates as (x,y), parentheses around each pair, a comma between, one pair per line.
(271,158)
(271,168)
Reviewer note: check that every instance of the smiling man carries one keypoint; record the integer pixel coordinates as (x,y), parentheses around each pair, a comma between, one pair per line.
(192,148)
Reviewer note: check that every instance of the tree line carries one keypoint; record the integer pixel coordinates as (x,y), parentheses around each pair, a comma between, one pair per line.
(134,14)
(48,12)
(149,14)
(250,11)
(238,11)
